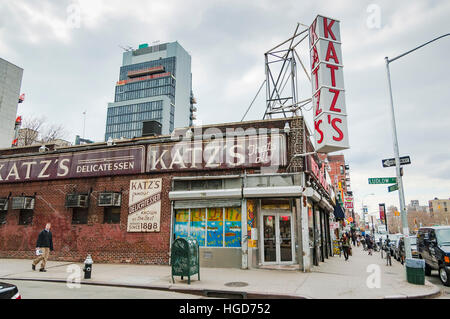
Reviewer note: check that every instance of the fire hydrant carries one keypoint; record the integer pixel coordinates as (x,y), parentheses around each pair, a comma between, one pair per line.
(88,267)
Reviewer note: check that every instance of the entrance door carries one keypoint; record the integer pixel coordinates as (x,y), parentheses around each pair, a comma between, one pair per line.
(277,238)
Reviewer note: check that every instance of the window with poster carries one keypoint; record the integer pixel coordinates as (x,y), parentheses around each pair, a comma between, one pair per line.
(212,227)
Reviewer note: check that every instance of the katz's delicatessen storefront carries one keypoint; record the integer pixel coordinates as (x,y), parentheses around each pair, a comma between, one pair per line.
(236,188)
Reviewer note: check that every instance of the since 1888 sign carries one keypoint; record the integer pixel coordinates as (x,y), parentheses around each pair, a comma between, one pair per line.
(330,115)
(144,209)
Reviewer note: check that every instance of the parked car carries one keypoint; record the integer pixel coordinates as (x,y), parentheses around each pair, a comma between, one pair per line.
(401,254)
(9,291)
(434,247)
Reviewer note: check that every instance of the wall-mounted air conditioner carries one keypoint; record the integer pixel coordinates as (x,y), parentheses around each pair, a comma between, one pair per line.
(23,202)
(4,204)
(110,199)
(77,201)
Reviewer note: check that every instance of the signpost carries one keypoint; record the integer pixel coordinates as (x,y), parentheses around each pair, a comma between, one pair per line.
(393,188)
(389,162)
(383,180)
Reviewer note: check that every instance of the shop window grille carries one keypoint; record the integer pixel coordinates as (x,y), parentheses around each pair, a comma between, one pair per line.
(2,218)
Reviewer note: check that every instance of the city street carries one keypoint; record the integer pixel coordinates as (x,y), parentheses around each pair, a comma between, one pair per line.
(51,290)
(434,278)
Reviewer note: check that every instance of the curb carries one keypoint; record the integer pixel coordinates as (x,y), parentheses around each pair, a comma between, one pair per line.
(435,293)
(204,292)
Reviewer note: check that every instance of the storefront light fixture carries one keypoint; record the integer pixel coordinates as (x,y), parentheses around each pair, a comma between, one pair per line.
(287,128)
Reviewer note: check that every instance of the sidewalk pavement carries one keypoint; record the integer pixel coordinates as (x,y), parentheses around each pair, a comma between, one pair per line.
(335,278)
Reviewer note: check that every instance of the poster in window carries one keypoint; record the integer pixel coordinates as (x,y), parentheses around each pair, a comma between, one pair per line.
(181,223)
(198,225)
(215,227)
(233,227)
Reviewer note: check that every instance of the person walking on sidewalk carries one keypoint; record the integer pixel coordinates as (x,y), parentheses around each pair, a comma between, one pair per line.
(346,245)
(45,245)
(369,244)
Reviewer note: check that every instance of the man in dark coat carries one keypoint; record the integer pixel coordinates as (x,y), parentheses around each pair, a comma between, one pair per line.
(45,245)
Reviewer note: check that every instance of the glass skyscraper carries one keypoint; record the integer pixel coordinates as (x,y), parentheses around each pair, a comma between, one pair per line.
(10,83)
(154,84)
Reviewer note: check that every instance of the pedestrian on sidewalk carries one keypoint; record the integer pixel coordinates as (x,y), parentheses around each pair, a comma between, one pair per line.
(45,245)
(354,238)
(345,245)
(358,240)
(369,244)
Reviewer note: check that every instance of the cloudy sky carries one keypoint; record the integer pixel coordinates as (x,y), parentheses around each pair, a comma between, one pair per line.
(72,61)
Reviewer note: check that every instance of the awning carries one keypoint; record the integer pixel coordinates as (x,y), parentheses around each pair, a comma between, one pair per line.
(338,212)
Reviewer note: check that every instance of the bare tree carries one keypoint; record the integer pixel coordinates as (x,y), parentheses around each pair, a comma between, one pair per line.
(36,130)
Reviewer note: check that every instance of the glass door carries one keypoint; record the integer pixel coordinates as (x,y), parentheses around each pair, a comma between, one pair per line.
(277,238)
(284,222)
(269,230)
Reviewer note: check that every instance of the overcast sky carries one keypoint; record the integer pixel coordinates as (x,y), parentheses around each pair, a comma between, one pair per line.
(71,65)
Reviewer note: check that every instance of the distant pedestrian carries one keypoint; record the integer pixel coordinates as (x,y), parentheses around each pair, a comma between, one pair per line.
(45,245)
(369,244)
(358,240)
(345,245)
(354,238)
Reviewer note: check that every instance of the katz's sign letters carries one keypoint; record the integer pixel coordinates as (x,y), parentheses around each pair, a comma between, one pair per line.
(330,114)
(223,153)
(144,208)
(119,161)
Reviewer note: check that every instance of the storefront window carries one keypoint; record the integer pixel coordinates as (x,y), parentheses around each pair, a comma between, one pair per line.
(212,227)
(181,223)
(232,227)
(215,227)
(198,225)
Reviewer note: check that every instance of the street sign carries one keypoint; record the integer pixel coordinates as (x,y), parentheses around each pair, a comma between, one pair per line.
(391,161)
(393,188)
(383,180)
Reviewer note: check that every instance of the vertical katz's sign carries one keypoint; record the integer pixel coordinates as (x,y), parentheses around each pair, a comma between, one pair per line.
(330,114)
(144,208)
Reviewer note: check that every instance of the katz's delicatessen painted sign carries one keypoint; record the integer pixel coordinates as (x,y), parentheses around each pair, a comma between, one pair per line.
(144,207)
(327,77)
(119,161)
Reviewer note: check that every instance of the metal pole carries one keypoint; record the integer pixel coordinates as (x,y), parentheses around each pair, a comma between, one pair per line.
(405,228)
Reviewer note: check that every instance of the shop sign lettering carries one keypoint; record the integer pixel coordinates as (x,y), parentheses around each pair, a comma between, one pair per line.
(119,161)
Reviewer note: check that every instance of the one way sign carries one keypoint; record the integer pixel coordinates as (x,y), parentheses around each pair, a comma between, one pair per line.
(391,161)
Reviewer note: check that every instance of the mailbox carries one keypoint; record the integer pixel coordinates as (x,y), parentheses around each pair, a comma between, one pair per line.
(185,258)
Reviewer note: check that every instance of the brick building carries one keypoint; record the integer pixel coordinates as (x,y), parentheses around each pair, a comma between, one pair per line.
(238,188)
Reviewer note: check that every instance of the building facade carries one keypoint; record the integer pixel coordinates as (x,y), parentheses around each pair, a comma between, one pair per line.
(155,84)
(10,83)
(238,188)
(439,205)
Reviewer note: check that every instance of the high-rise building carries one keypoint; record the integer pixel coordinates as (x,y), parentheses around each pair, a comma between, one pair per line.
(155,84)
(10,83)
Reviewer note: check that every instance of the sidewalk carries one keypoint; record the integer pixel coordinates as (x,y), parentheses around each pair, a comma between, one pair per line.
(335,278)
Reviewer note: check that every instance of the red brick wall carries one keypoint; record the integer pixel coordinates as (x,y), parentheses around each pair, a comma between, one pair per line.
(105,242)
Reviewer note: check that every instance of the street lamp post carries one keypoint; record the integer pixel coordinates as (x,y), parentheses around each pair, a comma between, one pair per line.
(405,227)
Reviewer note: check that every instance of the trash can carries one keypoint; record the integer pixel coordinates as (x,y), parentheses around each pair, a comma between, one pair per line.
(415,271)
(185,258)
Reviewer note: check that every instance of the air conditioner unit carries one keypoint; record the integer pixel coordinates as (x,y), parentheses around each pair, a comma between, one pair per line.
(23,202)
(110,199)
(3,204)
(77,201)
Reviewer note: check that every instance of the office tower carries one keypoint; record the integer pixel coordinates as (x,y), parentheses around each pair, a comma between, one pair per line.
(155,84)
(10,83)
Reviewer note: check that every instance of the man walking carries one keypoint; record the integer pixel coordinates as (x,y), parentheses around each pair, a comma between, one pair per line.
(45,244)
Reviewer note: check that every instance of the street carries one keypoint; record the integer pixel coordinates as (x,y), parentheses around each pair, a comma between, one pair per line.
(51,290)
(434,278)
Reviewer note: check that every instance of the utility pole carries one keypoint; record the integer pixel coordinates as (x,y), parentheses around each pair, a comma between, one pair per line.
(403,212)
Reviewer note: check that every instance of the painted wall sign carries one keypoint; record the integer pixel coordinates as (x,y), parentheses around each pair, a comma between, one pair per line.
(318,173)
(328,95)
(144,206)
(118,161)
(229,152)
